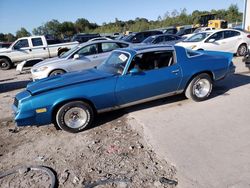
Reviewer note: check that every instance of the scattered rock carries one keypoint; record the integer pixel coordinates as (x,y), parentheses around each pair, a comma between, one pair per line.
(64,177)
(76,180)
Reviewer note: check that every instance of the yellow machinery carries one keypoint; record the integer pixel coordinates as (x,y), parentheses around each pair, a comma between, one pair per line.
(218,24)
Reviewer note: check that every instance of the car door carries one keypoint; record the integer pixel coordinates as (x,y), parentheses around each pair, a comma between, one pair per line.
(159,75)
(87,58)
(39,49)
(218,43)
(21,50)
(231,40)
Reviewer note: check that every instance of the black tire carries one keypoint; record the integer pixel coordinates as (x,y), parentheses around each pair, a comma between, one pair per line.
(192,91)
(242,50)
(57,72)
(5,64)
(76,111)
(62,51)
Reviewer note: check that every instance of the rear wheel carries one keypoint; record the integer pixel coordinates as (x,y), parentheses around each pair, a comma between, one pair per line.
(242,50)
(75,116)
(5,64)
(56,72)
(199,89)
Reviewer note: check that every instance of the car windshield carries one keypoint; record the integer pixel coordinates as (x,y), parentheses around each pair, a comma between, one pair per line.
(197,37)
(149,39)
(115,64)
(66,54)
(197,30)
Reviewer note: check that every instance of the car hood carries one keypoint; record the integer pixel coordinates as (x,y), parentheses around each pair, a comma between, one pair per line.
(64,80)
(5,50)
(49,61)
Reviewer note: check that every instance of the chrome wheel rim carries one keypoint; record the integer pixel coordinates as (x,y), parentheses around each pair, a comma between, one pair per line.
(3,65)
(75,117)
(202,88)
(56,73)
(243,50)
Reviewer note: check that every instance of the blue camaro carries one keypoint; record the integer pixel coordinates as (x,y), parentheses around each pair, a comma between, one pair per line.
(128,77)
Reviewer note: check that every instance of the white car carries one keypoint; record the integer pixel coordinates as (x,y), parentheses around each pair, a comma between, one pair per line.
(199,30)
(226,40)
(84,56)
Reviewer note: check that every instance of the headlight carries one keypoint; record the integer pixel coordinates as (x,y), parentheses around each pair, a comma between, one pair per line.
(40,69)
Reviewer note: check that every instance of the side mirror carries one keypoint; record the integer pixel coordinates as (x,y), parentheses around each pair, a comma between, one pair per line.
(76,56)
(134,71)
(211,40)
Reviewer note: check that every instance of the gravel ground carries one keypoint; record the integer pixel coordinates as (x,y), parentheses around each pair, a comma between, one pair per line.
(111,154)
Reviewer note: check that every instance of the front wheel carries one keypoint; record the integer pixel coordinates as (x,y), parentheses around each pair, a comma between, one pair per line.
(56,72)
(199,89)
(75,116)
(5,64)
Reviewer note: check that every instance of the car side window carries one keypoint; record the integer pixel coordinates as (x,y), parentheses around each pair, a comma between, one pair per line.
(122,45)
(88,50)
(216,36)
(158,40)
(37,41)
(23,43)
(169,38)
(229,34)
(108,46)
(152,60)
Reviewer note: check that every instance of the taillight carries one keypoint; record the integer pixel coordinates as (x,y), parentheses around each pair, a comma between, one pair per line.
(248,36)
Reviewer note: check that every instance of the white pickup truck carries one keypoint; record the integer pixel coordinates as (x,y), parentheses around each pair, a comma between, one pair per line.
(28,48)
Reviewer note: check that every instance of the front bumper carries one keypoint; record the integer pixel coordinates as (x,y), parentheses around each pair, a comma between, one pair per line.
(38,75)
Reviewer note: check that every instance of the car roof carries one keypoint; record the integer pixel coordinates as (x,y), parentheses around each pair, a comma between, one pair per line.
(102,41)
(136,49)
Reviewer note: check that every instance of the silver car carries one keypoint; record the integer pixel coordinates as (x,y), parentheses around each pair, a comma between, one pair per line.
(84,56)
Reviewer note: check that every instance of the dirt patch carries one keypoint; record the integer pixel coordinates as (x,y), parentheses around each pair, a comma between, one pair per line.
(110,155)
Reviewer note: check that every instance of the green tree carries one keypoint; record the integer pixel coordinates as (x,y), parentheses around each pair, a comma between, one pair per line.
(22,33)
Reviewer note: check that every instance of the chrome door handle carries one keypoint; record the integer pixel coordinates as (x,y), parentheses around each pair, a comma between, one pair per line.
(175,71)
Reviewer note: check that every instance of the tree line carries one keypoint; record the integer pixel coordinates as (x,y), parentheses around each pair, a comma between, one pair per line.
(82,25)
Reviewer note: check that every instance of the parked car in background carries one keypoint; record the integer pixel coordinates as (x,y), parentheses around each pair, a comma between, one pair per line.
(84,37)
(129,76)
(226,40)
(198,30)
(170,30)
(163,38)
(5,44)
(185,31)
(84,56)
(28,48)
(140,36)
(100,38)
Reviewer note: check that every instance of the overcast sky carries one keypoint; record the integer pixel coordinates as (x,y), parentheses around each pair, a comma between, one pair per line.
(15,14)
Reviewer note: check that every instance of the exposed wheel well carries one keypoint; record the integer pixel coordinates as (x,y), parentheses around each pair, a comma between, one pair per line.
(200,49)
(207,72)
(59,105)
